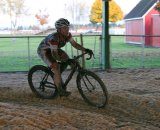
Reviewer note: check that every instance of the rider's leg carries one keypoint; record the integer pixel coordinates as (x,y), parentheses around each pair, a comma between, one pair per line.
(55,67)
(62,69)
(64,57)
(64,65)
(48,59)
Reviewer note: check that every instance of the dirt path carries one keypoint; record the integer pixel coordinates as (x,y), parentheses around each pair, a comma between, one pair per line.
(134,104)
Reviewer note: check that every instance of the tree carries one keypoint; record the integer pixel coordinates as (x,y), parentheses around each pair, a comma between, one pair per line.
(157,7)
(2,6)
(14,8)
(96,12)
(77,9)
(42,17)
(115,12)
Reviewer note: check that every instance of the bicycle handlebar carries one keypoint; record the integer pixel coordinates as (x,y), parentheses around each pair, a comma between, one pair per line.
(90,56)
(79,56)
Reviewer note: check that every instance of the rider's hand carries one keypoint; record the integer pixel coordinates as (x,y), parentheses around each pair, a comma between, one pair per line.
(90,52)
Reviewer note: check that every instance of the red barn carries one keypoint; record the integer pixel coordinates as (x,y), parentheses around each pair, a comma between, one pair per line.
(143,19)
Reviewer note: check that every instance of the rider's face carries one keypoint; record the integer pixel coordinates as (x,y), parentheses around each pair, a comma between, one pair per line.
(64,30)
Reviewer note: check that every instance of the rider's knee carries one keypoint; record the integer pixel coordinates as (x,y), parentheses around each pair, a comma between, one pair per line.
(55,67)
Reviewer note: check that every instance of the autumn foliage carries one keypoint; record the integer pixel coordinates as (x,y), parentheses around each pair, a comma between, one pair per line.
(42,17)
(96,12)
(115,12)
(157,7)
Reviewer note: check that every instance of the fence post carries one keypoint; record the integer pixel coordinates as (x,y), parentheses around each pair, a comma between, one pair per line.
(143,45)
(29,56)
(83,61)
(100,51)
(105,37)
(77,50)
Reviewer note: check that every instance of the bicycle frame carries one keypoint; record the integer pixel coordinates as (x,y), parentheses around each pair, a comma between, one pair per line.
(75,67)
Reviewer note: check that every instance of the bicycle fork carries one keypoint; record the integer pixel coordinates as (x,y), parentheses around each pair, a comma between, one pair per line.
(87,80)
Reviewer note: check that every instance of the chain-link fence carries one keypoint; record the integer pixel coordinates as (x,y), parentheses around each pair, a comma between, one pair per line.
(19,53)
(130,54)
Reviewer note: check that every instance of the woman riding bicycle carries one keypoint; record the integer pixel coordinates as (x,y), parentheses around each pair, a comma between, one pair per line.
(51,53)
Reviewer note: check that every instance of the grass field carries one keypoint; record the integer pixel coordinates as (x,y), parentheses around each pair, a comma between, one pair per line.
(19,54)
(131,56)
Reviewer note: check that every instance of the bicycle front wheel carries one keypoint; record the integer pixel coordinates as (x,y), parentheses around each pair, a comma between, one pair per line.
(40,80)
(92,89)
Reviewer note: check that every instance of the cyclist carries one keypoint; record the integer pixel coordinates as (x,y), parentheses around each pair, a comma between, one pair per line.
(51,53)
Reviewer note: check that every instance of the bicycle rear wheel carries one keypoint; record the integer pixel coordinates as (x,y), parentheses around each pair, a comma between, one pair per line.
(40,80)
(92,89)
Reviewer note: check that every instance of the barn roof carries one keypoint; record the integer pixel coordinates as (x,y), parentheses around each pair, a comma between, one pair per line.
(140,9)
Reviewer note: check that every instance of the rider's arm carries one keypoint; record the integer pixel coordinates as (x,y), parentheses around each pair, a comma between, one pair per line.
(76,45)
(79,47)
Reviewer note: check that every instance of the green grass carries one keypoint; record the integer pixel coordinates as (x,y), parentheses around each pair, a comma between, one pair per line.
(131,56)
(16,57)
(17,54)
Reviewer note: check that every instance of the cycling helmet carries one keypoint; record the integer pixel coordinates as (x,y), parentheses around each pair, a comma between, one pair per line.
(61,23)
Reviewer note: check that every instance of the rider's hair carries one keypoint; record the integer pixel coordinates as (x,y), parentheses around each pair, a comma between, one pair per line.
(61,23)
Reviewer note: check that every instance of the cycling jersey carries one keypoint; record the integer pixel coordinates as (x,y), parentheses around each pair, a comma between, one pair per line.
(49,44)
(53,41)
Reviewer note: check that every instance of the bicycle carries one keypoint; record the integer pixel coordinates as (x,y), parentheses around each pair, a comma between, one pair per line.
(90,86)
